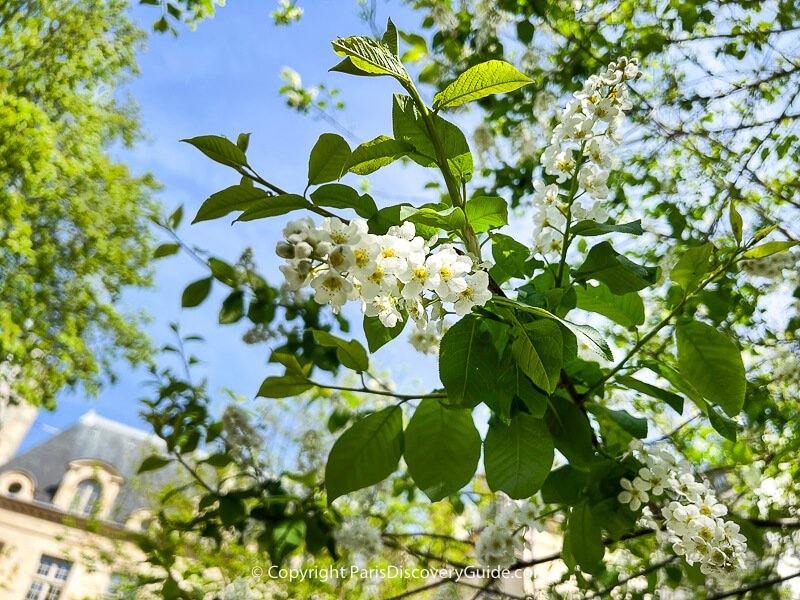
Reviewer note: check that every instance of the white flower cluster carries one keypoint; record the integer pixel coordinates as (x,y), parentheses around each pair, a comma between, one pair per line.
(786,369)
(692,518)
(770,267)
(580,147)
(357,535)
(500,541)
(242,589)
(392,274)
(286,13)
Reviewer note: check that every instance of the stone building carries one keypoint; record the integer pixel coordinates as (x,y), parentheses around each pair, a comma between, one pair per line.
(67,506)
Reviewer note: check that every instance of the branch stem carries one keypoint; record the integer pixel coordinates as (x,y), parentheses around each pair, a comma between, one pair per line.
(365,390)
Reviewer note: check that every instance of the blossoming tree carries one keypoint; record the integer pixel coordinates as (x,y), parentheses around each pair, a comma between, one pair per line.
(579,440)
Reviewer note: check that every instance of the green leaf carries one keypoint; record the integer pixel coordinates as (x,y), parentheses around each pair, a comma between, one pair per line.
(409,127)
(365,454)
(537,350)
(692,266)
(370,57)
(346,66)
(468,363)
(449,219)
(176,217)
(726,427)
(224,272)
(218,460)
(233,198)
(590,228)
(328,159)
(337,195)
(518,457)
(419,46)
(712,363)
(636,426)
(232,308)
(350,353)
(289,361)
(583,539)
(371,156)
(153,463)
(621,275)
(243,141)
(274,206)
(680,384)
(769,248)
(673,400)
(385,218)
(166,250)
(291,384)
(525,31)
(571,432)
(377,335)
(231,510)
(390,38)
(219,149)
(510,258)
(737,225)
(627,309)
(196,292)
(485,79)
(486,212)
(563,486)
(286,537)
(515,383)
(450,436)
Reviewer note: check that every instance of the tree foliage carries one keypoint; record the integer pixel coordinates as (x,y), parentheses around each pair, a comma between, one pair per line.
(638,399)
(73,219)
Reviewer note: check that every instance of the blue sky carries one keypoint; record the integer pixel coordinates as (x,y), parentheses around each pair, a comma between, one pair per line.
(223,79)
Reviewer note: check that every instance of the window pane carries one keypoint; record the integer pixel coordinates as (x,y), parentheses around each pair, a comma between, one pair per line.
(44,565)
(34,591)
(54,593)
(63,571)
(86,496)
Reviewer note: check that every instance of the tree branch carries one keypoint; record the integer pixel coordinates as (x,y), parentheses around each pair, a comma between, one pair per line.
(754,586)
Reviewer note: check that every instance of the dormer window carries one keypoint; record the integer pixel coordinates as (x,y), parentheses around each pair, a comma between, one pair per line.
(17,484)
(89,487)
(84,502)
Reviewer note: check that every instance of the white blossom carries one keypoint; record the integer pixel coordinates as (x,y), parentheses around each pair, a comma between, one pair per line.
(392,275)
(692,518)
(634,492)
(331,288)
(357,535)
(579,155)
(476,293)
(426,339)
(496,548)
(501,540)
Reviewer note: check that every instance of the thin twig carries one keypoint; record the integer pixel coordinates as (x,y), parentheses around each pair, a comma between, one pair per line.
(754,586)
(624,580)
(365,390)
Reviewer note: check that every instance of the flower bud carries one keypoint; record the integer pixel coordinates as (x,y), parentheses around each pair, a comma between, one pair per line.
(303,250)
(284,250)
(324,248)
(303,267)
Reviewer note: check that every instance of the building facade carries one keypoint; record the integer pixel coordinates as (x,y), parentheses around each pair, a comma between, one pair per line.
(68,507)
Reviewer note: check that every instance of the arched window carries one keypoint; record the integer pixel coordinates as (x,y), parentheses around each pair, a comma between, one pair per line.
(84,502)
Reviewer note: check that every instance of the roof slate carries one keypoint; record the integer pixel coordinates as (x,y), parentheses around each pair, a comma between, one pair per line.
(95,437)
